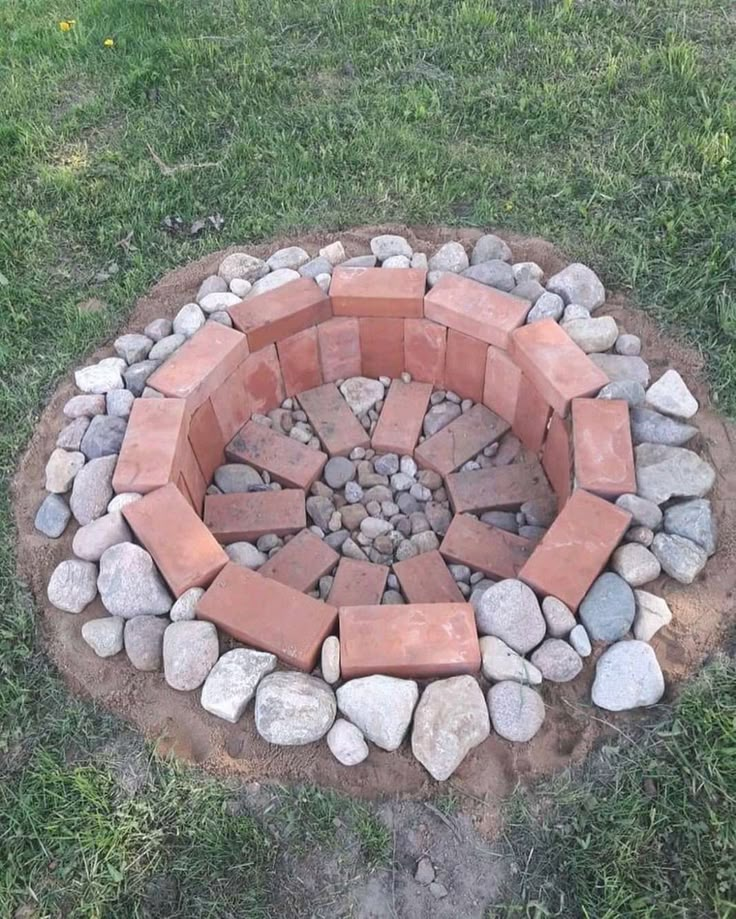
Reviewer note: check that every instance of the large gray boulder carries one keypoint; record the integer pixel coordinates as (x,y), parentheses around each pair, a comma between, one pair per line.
(293,708)
(681,558)
(381,706)
(671,396)
(144,641)
(73,585)
(190,651)
(578,284)
(695,521)
(517,711)
(627,676)
(510,611)
(130,584)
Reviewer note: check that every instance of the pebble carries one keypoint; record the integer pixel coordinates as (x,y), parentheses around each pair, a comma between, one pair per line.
(346,743)
(630,391)
(350,549)
(671,396)
(652,613)
(144,641)
(503,520)
(330,659)
(558,616)
(240,287)
(167,346)
(91,540)
(648,426)
(548,306)
(245,554)
(425,542)
(557,660)
(635,563)
(188,320)
(579,639)
(104,636)
(510,611)
(61,470)
(391,598)
(320,510)
(316,267)
(338,471)
(232,682)
(136,376)
(380,706)
(293,708)
(439,416)
(190,651)
(98,378)
(132,347)
(372,527)
(642,535)
(578,284)
(217,302)
(361,393)
(517,711)
(627,676)
(277,279)
(664,472)
(52,516)
(104,436)
(438,517)
(92,489)
(607,610)
(493,273)
(130,584)
(628,344)
(459,572)
(695,521)
(290,257)
(644,513)
(185,607)
(593,335)
(499,662)
(72,585)
(680,558)
(242,265)
(449,257)
(385,246)
(540,512)
(158,329)
(525,271)
(235,478)
(211,285)
(400,481)
(119,402)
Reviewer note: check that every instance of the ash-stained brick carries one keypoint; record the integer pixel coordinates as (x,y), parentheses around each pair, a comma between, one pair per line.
(460,440)
(248,515)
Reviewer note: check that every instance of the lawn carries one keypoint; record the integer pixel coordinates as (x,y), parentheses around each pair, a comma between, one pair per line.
(609,127)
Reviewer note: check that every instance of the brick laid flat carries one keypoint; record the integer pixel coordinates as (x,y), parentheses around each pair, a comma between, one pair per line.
(415,640)
(494,552)
(465,365)
(150,455)
(358,583)
(501,385)
(267,615)
(531,415)
(400,422)
(460,440)
(382,346)
(285,459)
(301,562)
(299,359)
(201,364)
(397,292)
(557,458)
(426,579)
(332,419)
(264,385)
(206,437)
(278,313)
(425,344)
(575,549)
(559,369)
(497,487)
(475,309)
(181,545)
(339,348)
(236,517)
(604,455)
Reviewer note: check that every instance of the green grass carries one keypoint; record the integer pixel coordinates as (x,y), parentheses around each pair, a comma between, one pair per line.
(606,126)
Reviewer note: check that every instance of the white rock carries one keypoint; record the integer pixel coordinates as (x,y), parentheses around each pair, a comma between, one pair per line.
(396,261)
(671,396)
(559,618)
(185,607)
(272,281)
(188,320)
(510,611)
(215,302)
(503,663)
(579,639)
(381,706)
(330,659)
(61,469)
(361,393)
(593,335)
(240,287)
(450,257)
(627,676)
(293,708)
(73,585)
(291,257)
(104,636)
(130,584)
(190,652)
(231,683)
(324,281)
(578,284)
(346,743)
(490,247)
(246,554)
(652,613)
(99,378)
(387,245)
(517,711)
(242,265)
(121,500)
(334,252)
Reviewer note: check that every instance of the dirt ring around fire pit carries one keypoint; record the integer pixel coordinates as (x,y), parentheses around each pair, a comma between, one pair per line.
(389,500)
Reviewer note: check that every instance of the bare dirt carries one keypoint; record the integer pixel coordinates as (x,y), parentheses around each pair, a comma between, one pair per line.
(177,723)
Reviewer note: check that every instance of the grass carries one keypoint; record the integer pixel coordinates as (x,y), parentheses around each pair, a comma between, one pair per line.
(606,126)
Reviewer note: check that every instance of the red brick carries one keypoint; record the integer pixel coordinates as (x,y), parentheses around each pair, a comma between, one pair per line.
(485,548)
(465,365)
(248,515)
(299,359)
(269,317)
(339,348)
(559,369)
(575,549)
(185,552)
(195,482)
(460,440)
(288,462)
(264,385)
(264,614)
(557,458)
(425,343)
(150,455)
(400,422)
(231,403)
(475,309)
(382,345)
(301,562)
(207,440)
(358,583)
(202,364)
(426,579)
(531,417)
(497,487)
(408,640)
(378,291)
(332,419)
(604,456)
(501,385)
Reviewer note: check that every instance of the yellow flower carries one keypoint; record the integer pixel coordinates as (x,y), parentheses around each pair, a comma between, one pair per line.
(66,25)
(109,43)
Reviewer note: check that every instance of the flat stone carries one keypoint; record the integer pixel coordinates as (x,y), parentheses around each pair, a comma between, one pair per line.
(362,393)
(70,437)
(84,406)
(627,676)
(630,391)
(360,261)
(130,584)
(98,378)
(61,470)
(385,246)
(559,618)
(316,267)
(104,436)
(185,607)
(104,636)
(517,711)
(380,706)
(695,521)
(276,279)
(119,403)
(671,396)
(346,743)
(681,558)
(144,641)
(548,306)
(246,554)
(293,708)
(338,472)
(52,516)
(91,540)
(648,426)
(493,273)
(593,335)
(73,585)
(236,478)
(664,472)
(510,611)
(450,720)
(490,247)
(232,682)
(450,257)
(643,512)
(334,252)
(503,663)
(242,265)
(652,613)
(578,284)
(92,489)
(190,651)
(132,347)
(290,257)
(607,610)
(557,661)
(579,639)
(635,563)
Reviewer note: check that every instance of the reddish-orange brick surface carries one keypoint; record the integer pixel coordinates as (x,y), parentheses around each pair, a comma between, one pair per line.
(557,458)
(465,365)
(575,549)
(207,439)
(231,403)
(497,487)
(395,292)
(475,309)
(332,419)
(201,364)
(358,583)
(531,416)
(604,456)
(425,344)
(400,422)
(288,462)
(415,640)
(501,386)
(382,346)
(494,552)
(267,615)
(426,579)
(264,386)
(150,455)
(299,359)
(559,369)
(192,475)
(276,314)
(185,551)
(339,348)
(460,440)
(301,562)
(248,515)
